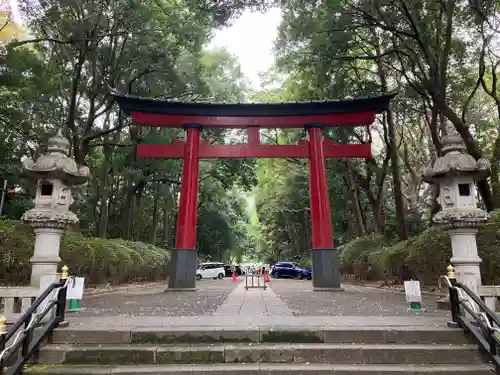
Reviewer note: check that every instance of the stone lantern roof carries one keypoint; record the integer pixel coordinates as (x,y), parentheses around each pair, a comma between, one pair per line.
(456,162)
(57,164)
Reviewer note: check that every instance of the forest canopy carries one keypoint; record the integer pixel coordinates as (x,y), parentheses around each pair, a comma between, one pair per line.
(441,56)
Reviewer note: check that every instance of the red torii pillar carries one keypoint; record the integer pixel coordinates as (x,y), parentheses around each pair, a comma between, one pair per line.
(184,256)
(325,262)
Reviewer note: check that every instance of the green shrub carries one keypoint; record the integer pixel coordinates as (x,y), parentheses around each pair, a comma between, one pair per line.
(393,262)
(357,256)
(428,255)
(423,257)
(99,260)
(488,242)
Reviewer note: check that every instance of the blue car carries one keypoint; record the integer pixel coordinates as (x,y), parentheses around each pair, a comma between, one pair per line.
(290,270)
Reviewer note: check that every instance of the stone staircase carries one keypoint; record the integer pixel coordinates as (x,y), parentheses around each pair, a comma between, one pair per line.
(261,350)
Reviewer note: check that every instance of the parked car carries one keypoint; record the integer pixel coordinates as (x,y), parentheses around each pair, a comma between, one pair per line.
(214,270)
(290,270)
(228,272)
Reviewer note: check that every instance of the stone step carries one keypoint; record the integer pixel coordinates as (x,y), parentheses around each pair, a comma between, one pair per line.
(210,334)
(261,353)
(264,368)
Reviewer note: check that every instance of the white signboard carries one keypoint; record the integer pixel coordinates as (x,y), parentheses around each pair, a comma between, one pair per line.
(75,288)
(412,291)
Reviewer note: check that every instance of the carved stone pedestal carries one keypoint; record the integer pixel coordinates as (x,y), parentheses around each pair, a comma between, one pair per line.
(45,259)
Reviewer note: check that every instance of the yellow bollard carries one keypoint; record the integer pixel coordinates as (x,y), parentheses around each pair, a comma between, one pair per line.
(451,272)
(65,272)
(3,325)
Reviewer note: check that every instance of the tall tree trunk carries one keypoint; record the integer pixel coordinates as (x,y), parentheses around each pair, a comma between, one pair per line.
(125,216)
(128,209)
(104,191)
(392,149)
(155,212)
(378,214)
(167,218)
(495,163)
(104,213)
(401,226)
(433,128)
(137,217)
(360,228)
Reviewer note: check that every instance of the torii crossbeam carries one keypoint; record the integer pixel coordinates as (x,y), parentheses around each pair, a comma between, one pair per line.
(313,116)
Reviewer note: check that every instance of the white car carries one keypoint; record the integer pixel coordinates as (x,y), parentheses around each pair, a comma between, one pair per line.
(210,270)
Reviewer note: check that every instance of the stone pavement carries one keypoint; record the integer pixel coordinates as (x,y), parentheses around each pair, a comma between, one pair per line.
(355,300)
(290,303)
(253,303)
(156,302)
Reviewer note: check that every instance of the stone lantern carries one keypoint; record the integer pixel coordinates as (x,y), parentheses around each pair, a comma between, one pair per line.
(55,174)
(455,173)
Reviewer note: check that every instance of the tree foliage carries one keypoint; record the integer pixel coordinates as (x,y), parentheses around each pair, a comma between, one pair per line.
(58,75)
(440,56)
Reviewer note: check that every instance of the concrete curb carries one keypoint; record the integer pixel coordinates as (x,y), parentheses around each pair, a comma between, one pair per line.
(424,292)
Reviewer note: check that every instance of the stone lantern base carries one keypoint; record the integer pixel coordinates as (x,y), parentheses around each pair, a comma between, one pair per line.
(45,259)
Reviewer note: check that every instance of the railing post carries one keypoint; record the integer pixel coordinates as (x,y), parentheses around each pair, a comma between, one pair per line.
(3,332)
(28,337)
(454,300)
(61,295)
(492,342)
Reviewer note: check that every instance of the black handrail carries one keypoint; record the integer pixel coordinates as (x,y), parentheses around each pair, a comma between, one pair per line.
(485,326)
(27,338)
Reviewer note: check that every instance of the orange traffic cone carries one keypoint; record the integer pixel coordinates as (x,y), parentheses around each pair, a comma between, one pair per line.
(234,276)
(267,277)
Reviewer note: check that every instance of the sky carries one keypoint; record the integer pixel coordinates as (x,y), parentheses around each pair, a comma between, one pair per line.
(250,38)
(14,8)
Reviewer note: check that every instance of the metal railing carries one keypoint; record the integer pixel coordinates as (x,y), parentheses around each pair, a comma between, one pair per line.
(474,316)
(261,284)
(25,342)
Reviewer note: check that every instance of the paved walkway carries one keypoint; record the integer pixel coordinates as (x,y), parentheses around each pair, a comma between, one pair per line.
(224,303)
(243,309)
(156,302)
(252,303)
(355,300)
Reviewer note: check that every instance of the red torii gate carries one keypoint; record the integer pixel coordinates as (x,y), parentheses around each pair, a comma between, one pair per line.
(313,116)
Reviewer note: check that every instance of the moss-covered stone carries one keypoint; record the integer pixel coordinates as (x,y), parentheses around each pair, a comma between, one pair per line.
(120,355)
(285,336)
(172,355)
(175,338)
(270,353)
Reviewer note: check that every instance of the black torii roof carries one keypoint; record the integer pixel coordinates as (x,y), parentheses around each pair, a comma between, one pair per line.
(129,104)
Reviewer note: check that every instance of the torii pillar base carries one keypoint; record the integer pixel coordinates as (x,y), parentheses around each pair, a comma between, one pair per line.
(182,275)
(326,271)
